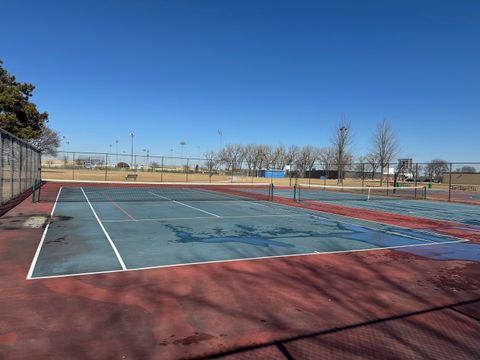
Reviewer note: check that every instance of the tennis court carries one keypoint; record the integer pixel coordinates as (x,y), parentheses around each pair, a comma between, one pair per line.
(148,270)
(99,228)
(392,200)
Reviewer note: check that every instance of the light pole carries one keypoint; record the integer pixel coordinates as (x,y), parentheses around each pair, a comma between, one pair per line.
(182,144)
(116,150)
(220,132)
(131,152)
(148,155)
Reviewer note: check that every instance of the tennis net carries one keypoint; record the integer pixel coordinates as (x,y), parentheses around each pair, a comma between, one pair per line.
(338,193)
(72,191)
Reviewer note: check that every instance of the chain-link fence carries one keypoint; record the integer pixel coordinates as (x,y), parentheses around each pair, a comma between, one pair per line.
(444,181)
(19,166)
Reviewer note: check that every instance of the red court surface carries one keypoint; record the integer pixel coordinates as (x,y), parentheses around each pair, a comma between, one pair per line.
(383,304)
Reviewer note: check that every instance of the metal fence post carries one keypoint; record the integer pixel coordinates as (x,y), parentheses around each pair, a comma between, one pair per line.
(106,166)
(29,167)
(186,171)
(12,168)
(326,176)
(20,178)
(450,184)
(2,141)
(161,171)
(73,166)
(363,176)
(388,176)
(416,179)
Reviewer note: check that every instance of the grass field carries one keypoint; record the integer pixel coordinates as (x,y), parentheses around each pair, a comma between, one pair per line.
(169,176)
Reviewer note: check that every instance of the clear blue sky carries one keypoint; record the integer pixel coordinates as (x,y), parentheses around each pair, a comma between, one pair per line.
(262,71)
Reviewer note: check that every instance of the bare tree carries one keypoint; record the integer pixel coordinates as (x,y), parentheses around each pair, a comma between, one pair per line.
(386,145)
(249,155)
(467,169)
(277,157)
(306,159)
(291,154)
(436,168)
(327,159)
(48,142)
(373,162)
(265,153)
(260,156)
(341,140)
(231,156)
(212,162)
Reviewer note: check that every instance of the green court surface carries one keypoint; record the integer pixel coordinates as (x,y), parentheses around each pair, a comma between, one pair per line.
(85,237)
(460,213)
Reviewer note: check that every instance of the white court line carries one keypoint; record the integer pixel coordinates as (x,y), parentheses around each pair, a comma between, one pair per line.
(390,232)
(180,203)
(206,217)
(409,236)
(249,259)
(236,199)
(444,211)
(378,222)
(44,235)
(120,260)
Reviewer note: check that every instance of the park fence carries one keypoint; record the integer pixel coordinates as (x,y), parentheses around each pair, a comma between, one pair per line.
(444,181)
(19,166)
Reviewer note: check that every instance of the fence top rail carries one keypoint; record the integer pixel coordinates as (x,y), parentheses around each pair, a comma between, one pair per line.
(344,166)
(5,132)
(126,155)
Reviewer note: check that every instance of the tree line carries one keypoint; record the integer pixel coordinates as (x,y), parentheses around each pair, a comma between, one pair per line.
(337,156)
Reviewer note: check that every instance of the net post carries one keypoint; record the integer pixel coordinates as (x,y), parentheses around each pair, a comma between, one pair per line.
(450,184)
(271,192)
(295,192)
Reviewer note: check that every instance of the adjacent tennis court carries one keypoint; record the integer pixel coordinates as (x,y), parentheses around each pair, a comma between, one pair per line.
(97,228)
